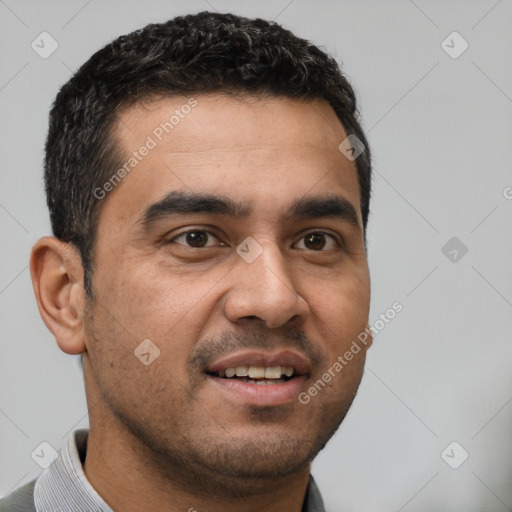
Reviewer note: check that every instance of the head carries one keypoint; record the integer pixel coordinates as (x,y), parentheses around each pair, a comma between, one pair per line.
(204,216)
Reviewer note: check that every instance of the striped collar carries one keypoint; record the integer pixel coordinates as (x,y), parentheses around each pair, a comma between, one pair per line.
(64,486)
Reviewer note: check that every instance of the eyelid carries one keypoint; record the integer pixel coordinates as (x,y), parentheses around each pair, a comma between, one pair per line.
(338,239)
(192,230)
(332,236)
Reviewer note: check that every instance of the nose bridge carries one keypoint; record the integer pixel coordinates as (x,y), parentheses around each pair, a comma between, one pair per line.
(273,272)
(265,289)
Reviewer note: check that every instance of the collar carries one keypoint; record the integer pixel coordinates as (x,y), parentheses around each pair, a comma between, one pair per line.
(63,486)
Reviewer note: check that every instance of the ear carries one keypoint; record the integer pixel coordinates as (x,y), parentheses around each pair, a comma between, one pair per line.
(57,278)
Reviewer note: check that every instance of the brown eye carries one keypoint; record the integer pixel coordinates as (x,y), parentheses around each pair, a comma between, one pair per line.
(197,239)
(317,241)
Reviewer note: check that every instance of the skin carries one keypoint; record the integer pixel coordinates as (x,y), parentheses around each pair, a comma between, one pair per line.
(162,436)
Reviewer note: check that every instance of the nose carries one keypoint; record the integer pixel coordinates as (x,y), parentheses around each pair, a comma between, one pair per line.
(264,290)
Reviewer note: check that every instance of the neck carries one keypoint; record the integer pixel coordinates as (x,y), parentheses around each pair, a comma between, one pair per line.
(127,476)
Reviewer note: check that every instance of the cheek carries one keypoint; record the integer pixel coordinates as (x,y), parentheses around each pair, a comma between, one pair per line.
(342,309)
(341,315)
(147,300)
(152,301)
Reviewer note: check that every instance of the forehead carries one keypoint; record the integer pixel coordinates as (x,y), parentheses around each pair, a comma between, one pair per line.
(260,151)
(221,120)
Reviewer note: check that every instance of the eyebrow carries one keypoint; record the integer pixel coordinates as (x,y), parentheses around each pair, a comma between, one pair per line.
(183,203)
(333,206)
(186,203)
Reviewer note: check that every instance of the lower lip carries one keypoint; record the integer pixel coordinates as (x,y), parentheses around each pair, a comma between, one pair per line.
(261,394)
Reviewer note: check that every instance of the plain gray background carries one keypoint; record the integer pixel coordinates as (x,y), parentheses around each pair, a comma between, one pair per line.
(440,129)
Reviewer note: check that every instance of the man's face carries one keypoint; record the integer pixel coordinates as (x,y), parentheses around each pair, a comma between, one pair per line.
(167,269)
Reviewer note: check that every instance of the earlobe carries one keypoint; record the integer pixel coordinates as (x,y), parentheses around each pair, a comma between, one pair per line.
(57,279)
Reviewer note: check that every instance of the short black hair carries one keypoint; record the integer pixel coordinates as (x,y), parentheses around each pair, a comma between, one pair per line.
(200,53)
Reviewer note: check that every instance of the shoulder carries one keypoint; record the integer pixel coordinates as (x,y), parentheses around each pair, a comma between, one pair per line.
(20,500)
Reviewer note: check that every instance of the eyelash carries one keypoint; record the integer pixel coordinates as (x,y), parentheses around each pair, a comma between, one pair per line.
(209,233)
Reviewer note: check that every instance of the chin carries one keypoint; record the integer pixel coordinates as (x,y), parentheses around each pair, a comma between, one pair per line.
(260,459)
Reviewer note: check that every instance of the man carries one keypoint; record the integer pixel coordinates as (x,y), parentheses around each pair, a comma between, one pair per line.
(208,185)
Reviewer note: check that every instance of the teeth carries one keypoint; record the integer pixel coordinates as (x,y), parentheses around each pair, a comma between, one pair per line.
(258,372)
(273,372)
(230,372)
(242,371)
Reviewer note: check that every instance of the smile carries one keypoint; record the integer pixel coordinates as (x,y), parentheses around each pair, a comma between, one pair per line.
(257,378)
(258,374)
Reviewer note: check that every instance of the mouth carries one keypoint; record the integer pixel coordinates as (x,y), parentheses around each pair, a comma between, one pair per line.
(258,378)
(259,375)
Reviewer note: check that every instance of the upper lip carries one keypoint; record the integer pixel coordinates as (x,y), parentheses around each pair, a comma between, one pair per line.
(299,362)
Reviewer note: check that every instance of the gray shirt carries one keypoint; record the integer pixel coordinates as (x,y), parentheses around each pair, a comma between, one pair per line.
(63,486)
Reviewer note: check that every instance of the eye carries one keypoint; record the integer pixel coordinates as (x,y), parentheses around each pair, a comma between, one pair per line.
(196,239)
(317,241)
